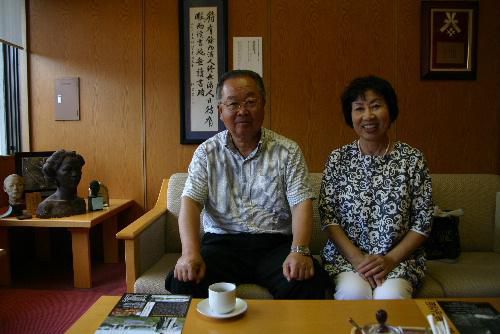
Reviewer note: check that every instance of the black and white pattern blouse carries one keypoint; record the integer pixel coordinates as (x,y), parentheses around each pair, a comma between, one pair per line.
(376,200)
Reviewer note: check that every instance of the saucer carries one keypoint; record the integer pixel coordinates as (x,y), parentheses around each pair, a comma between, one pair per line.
(204,308)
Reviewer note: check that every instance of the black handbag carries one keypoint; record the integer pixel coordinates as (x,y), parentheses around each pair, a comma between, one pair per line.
(444,240)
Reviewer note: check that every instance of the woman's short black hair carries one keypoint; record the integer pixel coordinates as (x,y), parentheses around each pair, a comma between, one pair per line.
(53,163)
(359,86)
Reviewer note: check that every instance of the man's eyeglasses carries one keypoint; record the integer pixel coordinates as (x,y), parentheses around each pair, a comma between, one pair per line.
(249,104)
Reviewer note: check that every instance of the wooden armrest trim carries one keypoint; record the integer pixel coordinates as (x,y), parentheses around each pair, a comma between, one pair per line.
(140,224)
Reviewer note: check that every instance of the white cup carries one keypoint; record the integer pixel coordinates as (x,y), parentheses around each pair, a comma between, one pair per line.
(222,297)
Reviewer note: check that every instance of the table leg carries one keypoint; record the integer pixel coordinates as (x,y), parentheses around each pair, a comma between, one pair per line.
(109,241)
(5,278)
(82,270)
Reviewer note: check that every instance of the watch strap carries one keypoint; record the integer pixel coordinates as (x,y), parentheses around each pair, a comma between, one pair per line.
(303,250)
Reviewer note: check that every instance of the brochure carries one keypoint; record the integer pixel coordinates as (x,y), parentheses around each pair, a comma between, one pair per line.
(147,313)
(465,317)
(472,317)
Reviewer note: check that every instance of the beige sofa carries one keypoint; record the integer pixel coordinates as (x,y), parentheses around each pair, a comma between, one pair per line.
(152,243)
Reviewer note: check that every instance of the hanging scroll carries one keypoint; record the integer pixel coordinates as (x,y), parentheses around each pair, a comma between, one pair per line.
(203,46)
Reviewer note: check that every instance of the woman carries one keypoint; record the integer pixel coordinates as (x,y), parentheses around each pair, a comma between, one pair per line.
(375,201)
(65,167)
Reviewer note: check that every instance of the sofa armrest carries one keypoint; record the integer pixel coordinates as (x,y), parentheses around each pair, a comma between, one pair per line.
(145,239)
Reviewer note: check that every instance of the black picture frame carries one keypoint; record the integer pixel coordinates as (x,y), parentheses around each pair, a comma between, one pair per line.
(203,56)
(29,166)
(449,40)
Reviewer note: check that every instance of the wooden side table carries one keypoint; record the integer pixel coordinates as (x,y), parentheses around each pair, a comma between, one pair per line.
(79,226)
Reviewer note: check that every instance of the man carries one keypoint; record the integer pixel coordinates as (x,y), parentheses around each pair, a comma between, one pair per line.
(253,184)
(13,185)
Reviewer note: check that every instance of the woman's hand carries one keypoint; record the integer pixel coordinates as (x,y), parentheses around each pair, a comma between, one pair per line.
(374,268)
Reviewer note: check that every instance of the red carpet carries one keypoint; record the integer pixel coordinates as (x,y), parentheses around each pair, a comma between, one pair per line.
(42,299)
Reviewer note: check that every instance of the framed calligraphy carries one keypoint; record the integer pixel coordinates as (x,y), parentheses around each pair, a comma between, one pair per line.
(449,39)
(203,47)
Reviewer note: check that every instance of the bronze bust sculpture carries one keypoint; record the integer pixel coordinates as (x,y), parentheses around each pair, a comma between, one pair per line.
(65,167)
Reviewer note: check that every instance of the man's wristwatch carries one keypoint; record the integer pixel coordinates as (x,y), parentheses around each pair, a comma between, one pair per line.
(303,250)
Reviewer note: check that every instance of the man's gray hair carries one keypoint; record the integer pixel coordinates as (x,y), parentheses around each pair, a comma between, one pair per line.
(238,74)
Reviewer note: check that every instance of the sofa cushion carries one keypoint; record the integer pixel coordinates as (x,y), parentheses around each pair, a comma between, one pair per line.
(153,280)
(430,288)
(475,194)
(319,237)
(174,192)
(253,291)
(474,274)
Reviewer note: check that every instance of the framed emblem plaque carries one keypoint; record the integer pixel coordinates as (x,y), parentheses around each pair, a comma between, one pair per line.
(449,40)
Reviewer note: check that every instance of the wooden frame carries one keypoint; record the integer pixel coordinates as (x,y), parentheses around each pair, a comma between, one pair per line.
(449,39)
(132,235)
(203,48)
(29,166)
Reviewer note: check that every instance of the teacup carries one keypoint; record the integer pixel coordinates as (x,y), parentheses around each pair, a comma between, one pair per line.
(222,297)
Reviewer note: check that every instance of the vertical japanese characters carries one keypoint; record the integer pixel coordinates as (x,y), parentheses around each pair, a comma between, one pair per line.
(204,71)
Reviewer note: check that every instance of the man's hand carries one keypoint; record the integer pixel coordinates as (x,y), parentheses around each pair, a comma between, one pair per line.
(190,268)
(298,267)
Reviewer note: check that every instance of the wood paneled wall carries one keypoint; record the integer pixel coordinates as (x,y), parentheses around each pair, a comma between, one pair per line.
(126,54)
(99,42)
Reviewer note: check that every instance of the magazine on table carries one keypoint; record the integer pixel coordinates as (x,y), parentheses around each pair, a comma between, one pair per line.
(465,317)
(147,313)
(472,317)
